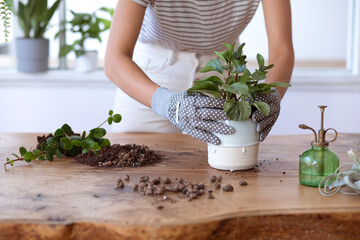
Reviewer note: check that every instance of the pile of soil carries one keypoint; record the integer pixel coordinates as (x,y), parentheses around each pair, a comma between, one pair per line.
(129,155)
(116,155)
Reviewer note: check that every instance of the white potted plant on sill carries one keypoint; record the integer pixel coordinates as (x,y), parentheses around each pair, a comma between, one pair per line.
(32,50)
(239,88)
(87,26)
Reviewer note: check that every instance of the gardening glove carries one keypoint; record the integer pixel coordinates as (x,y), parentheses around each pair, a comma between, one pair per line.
(265,123)
(193,113)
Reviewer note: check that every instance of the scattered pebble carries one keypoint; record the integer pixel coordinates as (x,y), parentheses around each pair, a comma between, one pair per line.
(217,185)
(219,178)
(212,178)
(127,177)
(136,186)
(243,183)
(228,188)
(120,183)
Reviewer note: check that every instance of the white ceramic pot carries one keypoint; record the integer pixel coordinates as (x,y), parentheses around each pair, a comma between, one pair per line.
(238,151)
(87,62)
(32,54)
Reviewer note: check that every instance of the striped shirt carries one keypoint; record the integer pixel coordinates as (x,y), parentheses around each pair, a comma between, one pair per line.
(200,26)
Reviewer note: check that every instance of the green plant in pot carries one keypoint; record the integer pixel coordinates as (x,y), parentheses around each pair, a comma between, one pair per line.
(32,50)
(5,17)
(239,87)
(87,26)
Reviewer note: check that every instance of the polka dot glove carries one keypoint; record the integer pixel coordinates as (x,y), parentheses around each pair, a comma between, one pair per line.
(193,113)
(265,123)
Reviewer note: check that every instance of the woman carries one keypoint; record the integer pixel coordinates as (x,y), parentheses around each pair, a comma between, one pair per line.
(155,51)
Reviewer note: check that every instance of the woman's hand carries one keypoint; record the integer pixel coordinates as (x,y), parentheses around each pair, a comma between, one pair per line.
(193,113)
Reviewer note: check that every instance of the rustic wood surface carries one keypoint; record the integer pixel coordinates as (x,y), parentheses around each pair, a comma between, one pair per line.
(67,200)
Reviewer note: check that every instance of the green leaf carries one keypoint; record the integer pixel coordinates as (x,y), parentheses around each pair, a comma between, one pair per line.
(68,146)
(116,118)
(207,87)
(76,143)
(83,136)
(238,67)
(237,88)
(58,153)
(260,60)
(59,132)
(221,55)
(85,150)
(110,120)
(262,107)
(83,144)
(36,152)
(49,156)
(212,79)
(279,84)
(105,143)
(111,112)
(28,156)
(43,146)
(65,50)
(67,129)
(213,65)
(22,151)
(15,155)
(237,111)
(257,75)
(65,140)
(96,147)
(100,132)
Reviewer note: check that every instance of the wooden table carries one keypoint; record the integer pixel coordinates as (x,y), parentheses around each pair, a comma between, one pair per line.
(67,200)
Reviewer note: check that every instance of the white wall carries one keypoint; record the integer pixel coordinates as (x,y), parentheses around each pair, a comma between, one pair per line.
(319,30)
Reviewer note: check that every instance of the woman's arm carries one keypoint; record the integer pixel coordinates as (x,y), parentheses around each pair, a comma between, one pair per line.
(281,53)
(119,67)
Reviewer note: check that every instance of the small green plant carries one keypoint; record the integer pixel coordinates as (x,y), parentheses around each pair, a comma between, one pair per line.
(65,141)
(237,85)
(34,16)
(88,26)
(5,13)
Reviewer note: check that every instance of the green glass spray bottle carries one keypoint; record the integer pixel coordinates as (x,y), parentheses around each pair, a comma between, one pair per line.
(319,161)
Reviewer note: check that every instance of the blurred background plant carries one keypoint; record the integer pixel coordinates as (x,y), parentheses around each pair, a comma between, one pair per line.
(87,25)
(5,16)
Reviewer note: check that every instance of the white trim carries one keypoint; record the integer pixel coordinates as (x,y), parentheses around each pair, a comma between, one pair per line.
(54,78)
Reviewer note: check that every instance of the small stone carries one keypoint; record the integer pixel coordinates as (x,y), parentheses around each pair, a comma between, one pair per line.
(127,177)
(126,156)
(155,181)
(243,183)
(280,180)
(201,185)
(228,188)
(217,185)
(144,179)
(219,178)
(160,191)
(120,184)
(109,163)
(210,196)
(181,180)
(114,162)
(284,172)
(136,186)
(212,178)
(142,185)
(166,180)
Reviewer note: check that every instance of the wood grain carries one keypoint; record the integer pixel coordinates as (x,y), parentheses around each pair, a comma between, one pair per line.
(66,200)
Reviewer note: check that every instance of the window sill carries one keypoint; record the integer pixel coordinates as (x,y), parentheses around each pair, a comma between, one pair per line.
(54,78)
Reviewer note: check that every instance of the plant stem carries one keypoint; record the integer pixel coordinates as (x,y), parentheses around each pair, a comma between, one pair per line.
(102,123)
(21,159)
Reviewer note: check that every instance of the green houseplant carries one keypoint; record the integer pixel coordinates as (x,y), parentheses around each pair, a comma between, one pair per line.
(87,26)
(238,86)
(5,14)
(32,50)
